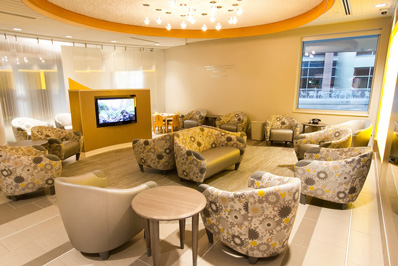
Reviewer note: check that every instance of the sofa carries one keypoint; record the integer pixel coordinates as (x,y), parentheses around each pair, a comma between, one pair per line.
(334,137)
(281,128)
(201,152)
(335,175)
(156,153)
(61,142)
(21,127)
(362,130)
(193,119)
(234,122)
(257,221)
(27,169)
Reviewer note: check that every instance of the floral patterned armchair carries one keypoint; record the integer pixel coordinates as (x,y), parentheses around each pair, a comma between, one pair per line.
(334,137)
(61,142)
(201,152)
(235,122)
(21,127)
(27,169)
(335,175)
(193,119)
(157,153)
(281,128)
(256,222)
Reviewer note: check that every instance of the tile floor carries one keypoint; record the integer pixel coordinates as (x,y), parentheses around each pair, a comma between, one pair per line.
(32,233)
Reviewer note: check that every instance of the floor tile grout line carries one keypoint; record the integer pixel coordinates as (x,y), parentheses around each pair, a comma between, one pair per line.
(59,257)
(29,227)
(204,254)
(348,238)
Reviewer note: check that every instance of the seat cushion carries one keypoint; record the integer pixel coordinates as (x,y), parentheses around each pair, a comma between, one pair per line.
(229,127)
(281,134)
(219,159)
(190,123)
(304,148)
(71,147)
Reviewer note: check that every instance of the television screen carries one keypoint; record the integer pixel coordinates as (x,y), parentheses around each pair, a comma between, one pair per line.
(115,111)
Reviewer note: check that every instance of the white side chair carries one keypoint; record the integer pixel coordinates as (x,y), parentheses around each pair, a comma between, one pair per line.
(63,120)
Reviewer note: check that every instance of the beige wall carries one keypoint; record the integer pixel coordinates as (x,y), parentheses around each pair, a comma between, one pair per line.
(258,75)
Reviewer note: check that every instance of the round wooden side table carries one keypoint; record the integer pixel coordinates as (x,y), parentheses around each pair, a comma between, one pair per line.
(168,203)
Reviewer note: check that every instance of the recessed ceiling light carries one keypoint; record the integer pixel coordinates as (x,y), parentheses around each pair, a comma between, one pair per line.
(157,43)
(113,41)
(68,36)
(17,29)
(380,5)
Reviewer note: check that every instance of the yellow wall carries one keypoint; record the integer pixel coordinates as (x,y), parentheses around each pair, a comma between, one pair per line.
(82,104)
(258,75)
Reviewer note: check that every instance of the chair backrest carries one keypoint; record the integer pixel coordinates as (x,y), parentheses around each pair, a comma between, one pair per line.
(356,125)
(63,120)
(176,120)
(158,121)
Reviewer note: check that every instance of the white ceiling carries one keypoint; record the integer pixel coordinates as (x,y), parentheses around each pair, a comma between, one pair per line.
(14,14)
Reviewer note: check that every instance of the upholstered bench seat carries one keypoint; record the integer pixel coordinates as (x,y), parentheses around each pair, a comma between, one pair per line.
(281,134)
(219,159)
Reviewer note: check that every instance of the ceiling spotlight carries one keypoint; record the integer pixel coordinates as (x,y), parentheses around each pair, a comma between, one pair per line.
(113,41)
(17,29)
(218,26)
(172,3)
(183,24)
(212,18)
(204,27)
(146,20)
(380,5)
(157,44)
(239,11)
(158,20)
(168,27)
(68,36)
(232,20)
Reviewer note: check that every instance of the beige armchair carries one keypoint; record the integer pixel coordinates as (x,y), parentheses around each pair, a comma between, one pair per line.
(281,128)
(61,142)
(334,137)
(194,118)
(63,121)
(361,131)
(235,122)
(27,169)
(98,219)
(335,175)
(21,127)
(156,153)
(256,222)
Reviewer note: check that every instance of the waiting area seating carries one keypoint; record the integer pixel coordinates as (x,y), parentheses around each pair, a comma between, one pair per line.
(335,175)
(201,152)
(235,122)
(27,169)
(98,219)
(63,121)
(193,119)
(334,137)
(156,153)
(361,131)
(281,128)
(256,222)
(21,127)
(61,142)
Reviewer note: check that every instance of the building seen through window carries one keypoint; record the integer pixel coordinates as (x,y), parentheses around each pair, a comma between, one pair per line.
(336,74)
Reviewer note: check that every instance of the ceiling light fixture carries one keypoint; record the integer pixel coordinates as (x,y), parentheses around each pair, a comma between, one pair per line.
(146,20)
(158,20)
(204,27)
(68,36)
(17,29)
(113,41)
(218,26)
(183,24)
(168,27)
(380,5)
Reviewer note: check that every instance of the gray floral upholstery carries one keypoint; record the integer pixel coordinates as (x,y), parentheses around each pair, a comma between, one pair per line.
(256,222)
(241,134)
(335,175)
(62,143)
(189,143)
(22,126)
(157,153)
(281,122)
(334,137)
(238,119)
(27,169)
(197,115)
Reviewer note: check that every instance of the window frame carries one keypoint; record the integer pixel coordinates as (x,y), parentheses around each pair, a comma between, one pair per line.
(335,36)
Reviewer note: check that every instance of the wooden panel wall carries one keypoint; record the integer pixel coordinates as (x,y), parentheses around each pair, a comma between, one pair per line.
(82,105)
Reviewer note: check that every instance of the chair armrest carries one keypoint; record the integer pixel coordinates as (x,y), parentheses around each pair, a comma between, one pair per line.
(53,141)
(262,179)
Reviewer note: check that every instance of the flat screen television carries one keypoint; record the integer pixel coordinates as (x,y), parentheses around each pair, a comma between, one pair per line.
(115,110)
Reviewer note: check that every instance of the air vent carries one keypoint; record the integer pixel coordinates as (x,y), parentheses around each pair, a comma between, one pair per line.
(347,7)
(17,15)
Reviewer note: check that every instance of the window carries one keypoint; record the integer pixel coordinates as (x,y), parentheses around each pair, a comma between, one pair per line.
(336,74)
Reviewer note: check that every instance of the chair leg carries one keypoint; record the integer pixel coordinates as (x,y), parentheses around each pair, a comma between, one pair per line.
(237,166)
(52,190)
(13,198)
(77,156)
(104,255)
(344,206)
(302,199)
(141,167)
(253,260)
(209,236)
